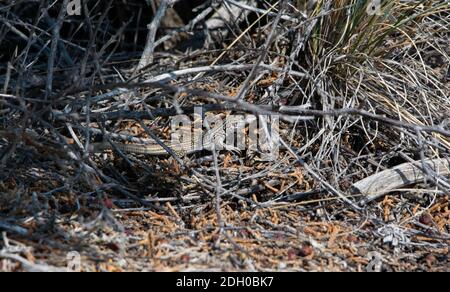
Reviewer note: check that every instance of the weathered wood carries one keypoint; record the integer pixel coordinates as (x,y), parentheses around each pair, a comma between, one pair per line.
(400,176)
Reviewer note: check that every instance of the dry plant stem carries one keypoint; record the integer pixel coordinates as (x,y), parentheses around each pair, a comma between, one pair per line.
(265,12)
(217,24)
(220,223)
(29,266)
(245,86)
(147,55)
(186,28)
(167,77)
(13,228)
(55,40)
(325,184)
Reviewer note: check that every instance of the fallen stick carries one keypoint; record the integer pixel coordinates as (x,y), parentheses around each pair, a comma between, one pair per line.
(13,228)
(30,266)
(377,185)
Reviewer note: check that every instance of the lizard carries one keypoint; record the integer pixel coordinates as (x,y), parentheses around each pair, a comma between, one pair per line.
(216,136)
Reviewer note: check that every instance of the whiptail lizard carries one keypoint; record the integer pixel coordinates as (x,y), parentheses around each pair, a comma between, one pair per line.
(181,149)
(216,136)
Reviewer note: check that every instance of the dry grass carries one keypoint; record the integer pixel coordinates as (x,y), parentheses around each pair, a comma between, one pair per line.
(224,211)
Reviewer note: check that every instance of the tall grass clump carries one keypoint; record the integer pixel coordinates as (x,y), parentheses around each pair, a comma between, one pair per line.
(387,57)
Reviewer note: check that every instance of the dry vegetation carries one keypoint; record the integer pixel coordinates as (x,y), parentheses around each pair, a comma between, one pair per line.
(358,93)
